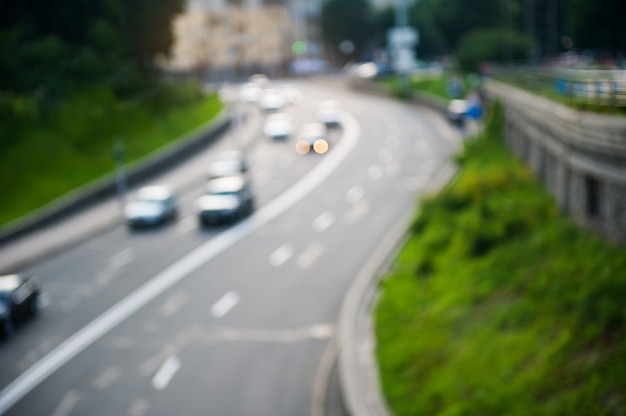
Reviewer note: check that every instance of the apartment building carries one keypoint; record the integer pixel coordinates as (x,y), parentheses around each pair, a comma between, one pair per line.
(227,40)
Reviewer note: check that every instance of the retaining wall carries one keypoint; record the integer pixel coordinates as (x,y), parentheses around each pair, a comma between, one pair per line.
(579,156)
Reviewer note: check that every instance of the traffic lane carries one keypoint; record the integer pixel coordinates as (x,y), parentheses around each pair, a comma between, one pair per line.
(84,281)
(170,272)
(176,326)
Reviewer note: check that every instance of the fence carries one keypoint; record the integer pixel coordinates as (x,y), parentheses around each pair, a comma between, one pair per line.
(580,88)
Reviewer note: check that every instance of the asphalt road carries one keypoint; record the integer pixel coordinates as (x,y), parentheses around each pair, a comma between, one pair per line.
(236,320)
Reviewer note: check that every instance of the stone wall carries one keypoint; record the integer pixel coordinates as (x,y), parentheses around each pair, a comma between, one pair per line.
(579,156)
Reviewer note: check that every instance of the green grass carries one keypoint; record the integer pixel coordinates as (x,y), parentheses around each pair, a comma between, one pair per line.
(74,145)
(498,305)
(435,86)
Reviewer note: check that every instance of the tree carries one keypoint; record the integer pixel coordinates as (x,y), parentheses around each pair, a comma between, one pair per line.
(491,45)
(350,20)
(597,24)
(55,46)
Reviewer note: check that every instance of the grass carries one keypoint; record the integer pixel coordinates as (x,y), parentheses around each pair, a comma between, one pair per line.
(434,85)
(498,305)
(74,144)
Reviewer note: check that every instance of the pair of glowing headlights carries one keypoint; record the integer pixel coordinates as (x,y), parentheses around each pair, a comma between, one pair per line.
(320,146)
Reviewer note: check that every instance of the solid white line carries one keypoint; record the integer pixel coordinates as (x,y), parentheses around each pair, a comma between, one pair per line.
(281,255)
(93,331)
(225,304)
(165,374)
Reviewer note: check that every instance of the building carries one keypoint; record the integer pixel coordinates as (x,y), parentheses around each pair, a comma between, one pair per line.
(227,40)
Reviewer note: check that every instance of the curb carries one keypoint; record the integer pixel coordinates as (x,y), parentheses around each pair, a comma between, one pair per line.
(358,372)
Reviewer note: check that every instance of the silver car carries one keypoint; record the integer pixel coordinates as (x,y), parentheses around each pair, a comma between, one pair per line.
(152,205)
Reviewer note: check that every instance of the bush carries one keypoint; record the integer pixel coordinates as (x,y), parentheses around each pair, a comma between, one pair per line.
(498,305)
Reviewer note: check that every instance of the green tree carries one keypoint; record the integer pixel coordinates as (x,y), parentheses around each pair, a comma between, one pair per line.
(347,20)
(491,45)
(597,24)
(55,46)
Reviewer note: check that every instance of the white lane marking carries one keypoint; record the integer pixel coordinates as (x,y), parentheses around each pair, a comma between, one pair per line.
(322,331)
(357,212)
(225,304)
(323,221)
(107,378)
(375,172)
(186,225)
(385,155)
(165,374)
(354,194)
(127,306)
(306,259)
(69,401)
(121,259)
(139,407)
(281,255)
(172,305)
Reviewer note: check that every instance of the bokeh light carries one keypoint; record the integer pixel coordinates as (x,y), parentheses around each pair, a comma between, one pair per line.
(303,147)
(320,146)
(298,47)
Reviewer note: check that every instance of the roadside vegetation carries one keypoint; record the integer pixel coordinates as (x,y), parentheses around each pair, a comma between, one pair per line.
(75,78)
(435,86)
(72,144)
(499,305)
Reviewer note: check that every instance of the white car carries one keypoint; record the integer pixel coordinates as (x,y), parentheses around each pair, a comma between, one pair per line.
(152,205)
(329,113)
(272,100)
(278,126)
(227,163)
(250,93)
(312,136)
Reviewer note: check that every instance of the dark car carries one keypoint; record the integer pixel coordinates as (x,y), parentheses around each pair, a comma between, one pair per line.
(226,199)
(19,298)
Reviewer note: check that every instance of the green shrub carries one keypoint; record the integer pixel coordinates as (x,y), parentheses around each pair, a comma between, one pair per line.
(73,144)
(498,305)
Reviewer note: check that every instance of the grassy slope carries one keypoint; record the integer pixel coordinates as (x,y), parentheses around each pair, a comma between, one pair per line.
(77,146)
(499,306)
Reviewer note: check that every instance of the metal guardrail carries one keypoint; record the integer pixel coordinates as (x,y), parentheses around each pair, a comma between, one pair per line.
(575,87)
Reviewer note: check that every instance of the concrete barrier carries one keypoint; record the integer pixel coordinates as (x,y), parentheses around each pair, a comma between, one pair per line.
(105,187)
(579,156)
